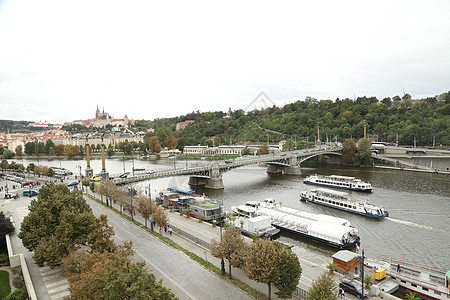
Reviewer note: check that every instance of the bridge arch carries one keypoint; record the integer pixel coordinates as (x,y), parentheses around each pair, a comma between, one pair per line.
(317,154)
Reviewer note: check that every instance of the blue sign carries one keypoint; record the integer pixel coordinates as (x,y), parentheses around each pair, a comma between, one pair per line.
(150,218)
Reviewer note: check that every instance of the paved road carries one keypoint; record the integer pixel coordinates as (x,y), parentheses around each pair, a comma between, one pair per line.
(185,277)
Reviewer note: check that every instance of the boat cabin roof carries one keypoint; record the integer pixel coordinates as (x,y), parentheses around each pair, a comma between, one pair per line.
(252,203)
(329,191)
(178,190)
(342,177)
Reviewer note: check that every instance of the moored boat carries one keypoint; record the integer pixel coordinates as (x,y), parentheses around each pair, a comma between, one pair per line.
(327,230)
(431,282)
(258,225)
(337,181)
(197,206)
(343,201)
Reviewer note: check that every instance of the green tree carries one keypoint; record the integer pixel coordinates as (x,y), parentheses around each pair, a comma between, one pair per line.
(29,148)
(49,147)
(6,226)
(4,164)
(348,150)
(364,154)
(323,288)
(110,151)
(289,145)
(31,168)
(49,172)
(86,182)
(232,247)
(270,263)
(58,222)
(8,154)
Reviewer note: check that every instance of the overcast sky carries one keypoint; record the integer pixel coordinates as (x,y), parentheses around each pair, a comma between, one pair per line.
(148,59)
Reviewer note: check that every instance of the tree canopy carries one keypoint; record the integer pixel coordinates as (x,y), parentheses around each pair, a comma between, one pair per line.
(271,263)
(323,288)
(112,275)
(231,247)
(58,222)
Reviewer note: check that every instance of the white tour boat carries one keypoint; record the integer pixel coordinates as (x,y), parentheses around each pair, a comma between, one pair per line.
(342,182)
(342,201)
(431,282)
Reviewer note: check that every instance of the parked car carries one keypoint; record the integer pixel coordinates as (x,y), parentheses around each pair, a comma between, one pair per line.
(124,175)
(96,178)
(30,193)
(150,171)
(73,183)
(353,287)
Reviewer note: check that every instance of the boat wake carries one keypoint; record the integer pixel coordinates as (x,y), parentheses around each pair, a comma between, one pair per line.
(412,224)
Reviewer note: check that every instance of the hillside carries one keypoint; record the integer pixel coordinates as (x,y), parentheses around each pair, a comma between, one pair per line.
(339,119)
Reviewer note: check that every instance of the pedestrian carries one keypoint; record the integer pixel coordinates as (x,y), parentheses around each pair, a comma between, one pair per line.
(165,229)
(340,293)
(170,230)
(343,293)
(398,268)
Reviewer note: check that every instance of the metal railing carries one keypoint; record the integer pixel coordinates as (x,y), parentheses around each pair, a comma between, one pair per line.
(191,237)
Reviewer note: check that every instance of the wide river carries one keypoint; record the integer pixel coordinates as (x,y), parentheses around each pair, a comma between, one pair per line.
(417,229)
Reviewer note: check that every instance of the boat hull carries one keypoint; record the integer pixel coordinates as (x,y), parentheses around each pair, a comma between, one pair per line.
(317,239)
(338,186)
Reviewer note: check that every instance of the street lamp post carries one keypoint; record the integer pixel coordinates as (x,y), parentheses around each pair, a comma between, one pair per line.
(362,274)
(151,213)
(222,262)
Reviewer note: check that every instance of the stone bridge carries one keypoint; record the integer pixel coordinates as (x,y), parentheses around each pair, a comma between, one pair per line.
(210,176)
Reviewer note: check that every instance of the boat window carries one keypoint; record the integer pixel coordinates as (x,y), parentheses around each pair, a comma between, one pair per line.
(403,281)
(354,207)
(425,289)
(437,293)
(413,284)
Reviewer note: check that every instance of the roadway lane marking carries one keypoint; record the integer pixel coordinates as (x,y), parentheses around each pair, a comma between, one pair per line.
(165,275)
(201,282)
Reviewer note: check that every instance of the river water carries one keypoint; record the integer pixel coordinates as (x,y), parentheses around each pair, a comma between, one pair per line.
(417,229)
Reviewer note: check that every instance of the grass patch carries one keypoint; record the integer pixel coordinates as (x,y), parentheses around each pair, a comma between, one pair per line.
(5,288)
(243,286)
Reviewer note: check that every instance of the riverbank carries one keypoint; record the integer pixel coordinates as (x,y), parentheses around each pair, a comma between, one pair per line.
(413,170)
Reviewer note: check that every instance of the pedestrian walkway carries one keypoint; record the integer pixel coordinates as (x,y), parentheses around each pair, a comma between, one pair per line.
(55,282)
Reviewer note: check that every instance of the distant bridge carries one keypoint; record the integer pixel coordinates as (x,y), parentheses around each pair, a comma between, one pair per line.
(210,176)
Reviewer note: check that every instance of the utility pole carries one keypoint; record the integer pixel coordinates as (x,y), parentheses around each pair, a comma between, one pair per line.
(222,263)
(151,213)
(362,274)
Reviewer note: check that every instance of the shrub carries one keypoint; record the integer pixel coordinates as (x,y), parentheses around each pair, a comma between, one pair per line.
(17,294)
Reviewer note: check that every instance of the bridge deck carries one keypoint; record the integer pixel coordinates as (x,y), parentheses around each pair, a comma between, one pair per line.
(222,166)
